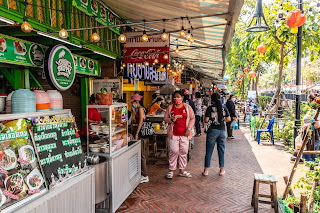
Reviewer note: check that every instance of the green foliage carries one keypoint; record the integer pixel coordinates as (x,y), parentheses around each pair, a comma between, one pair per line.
(264,100)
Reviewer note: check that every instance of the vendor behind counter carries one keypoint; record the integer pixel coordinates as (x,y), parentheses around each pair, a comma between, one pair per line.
(156,107)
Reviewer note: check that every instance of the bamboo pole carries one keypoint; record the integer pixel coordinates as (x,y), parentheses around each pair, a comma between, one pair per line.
(286,181)
(303,203)
(311,200)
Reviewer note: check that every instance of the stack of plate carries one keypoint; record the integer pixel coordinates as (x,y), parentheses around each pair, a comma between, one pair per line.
(56,102)
(42,100)
(8,103)
(23,100)
(3,97)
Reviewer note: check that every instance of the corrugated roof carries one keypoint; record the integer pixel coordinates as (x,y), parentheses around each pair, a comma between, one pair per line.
(209,61)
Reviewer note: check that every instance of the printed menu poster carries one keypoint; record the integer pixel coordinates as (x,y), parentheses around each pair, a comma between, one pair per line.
(17,51)
(86,66)
(58,145)
(20,174)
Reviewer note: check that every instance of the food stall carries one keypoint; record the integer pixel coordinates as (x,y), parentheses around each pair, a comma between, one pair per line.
(42,165)
(121,174)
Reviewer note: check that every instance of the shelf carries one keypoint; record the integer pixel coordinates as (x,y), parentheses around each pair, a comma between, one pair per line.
(118,131)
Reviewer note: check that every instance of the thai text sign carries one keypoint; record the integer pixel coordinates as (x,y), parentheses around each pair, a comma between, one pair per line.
(138,51)
(143,72)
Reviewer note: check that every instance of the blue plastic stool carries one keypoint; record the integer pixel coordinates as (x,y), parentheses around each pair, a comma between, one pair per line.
(268,129)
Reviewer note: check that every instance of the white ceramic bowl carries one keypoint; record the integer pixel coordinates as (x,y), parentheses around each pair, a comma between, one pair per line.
(95,127)
(95,147)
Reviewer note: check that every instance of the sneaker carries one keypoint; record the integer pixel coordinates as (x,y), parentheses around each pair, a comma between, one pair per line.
(144,179)
(232,137)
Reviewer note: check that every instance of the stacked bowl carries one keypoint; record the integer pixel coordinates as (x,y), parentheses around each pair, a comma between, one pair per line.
(23,100)
(42,101)
(8,103)
(3,97)
(56,102)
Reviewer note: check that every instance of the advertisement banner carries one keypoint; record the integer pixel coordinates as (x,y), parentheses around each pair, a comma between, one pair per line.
(86,66)
(138,51)
(17,51)
(145,73)
(94,8)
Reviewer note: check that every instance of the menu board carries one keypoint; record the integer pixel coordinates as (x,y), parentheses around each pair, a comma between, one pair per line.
(58,146)
(86,66)
(94,8)
(20,174)
(17,51)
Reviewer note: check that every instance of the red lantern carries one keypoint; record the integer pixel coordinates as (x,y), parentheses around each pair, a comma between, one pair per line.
(252,74)
(246,70)
(295,19)
(262,49)
(242,75)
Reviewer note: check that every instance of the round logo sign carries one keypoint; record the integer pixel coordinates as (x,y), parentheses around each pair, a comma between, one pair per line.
(36,55)
(59,67)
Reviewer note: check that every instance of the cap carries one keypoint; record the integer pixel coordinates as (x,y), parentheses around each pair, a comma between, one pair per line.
(135,97)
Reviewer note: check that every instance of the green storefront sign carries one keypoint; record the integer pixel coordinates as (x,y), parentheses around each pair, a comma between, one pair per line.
(86,66)
(17,51)
(59,67)
(94,8)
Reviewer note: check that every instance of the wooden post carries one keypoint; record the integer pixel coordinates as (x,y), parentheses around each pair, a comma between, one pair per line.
(303,203)
(311,200)
(286,182)
(304,143)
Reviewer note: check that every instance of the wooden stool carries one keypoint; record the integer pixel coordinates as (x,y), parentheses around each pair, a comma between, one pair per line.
(266,179)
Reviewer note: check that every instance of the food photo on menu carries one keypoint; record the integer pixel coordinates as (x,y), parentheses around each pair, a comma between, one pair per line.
(3,45)
(19,48)
(20,173)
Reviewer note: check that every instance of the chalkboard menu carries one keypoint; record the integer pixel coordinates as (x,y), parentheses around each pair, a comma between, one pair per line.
(58,146)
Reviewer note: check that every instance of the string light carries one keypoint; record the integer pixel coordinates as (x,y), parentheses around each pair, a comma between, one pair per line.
(165,56)
(144,36)
(188,35)
(26,27)
(161,65)
(123,65)
(191,39)
(146,63)
(189,43)
(131,65)
(164,35)
(95,36)
(63,33)
(122,38)
(177,50)
(156,61)
(182,32)
(168,65)
(139,65)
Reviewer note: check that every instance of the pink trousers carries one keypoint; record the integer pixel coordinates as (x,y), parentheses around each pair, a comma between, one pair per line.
(179,146)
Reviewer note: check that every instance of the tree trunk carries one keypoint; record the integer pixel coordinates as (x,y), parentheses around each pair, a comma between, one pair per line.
(242,85)
(256,85)
(274,109)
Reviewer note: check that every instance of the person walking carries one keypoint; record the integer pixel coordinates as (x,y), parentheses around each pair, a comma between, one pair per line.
(180,119)
(232,110)
(139,119)
(198,106)
(216,115)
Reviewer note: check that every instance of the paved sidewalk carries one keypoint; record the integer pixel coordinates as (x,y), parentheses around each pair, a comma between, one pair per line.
(229,193)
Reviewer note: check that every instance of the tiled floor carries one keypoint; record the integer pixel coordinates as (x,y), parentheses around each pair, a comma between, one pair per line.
(214,193)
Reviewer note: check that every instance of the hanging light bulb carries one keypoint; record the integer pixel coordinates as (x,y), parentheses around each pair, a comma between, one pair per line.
(164,35)
(161,65)
(189,43)
(188,35)
(95,36)
(153,64)
(191,39)
(122,38)
(25,26)
(131,65)
(165,56)
(146,63)
(168,65)
(156,61)
(63,33)
(182,32)
(177,50)
(144,36)
(123,65)
(139,65)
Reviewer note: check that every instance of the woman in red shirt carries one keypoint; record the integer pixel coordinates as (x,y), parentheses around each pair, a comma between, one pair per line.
(180,117)
(93,117)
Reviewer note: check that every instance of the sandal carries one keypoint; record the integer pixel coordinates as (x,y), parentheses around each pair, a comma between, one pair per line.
(169,175)
(205,173)
(185,174)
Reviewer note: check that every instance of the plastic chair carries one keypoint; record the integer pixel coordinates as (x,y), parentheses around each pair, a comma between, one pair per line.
(252,125)
(268,129)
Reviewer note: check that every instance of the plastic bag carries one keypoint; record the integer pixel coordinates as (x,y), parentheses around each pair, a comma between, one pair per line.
(298,141)
(235,125)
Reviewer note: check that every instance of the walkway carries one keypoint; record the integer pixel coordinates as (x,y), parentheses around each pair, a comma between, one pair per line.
(229,193)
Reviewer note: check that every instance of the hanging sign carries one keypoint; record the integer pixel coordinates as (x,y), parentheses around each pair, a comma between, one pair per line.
(206,83)
(138,51)
(17,51)
(108,85)
(146,73)
(59,67)
(86,66)
(95,8)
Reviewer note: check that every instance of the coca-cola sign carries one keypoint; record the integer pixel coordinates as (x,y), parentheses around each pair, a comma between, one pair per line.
(138,51)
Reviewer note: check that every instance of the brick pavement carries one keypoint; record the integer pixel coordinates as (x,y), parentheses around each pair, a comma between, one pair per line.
(229,193)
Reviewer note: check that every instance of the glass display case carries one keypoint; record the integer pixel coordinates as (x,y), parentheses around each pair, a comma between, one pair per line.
(109,135)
